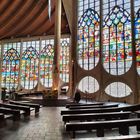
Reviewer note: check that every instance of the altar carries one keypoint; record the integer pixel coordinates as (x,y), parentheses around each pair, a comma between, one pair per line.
(50,94)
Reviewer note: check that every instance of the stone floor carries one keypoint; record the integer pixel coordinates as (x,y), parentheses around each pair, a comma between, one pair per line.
(47,126)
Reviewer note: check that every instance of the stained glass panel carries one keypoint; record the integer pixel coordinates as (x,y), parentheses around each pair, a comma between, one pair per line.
(117,48)
(64,59)
(29,67)
(118,89)
(46,62)
(88,34)
(10,65)
(137,33)
(88,84)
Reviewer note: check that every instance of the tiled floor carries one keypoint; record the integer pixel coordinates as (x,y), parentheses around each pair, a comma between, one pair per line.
(47,126)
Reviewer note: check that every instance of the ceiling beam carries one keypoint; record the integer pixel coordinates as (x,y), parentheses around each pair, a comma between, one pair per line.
(68,9)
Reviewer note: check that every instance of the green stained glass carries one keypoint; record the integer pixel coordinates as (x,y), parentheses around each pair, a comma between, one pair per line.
(88,39)
(30,60)
(10,66)
(117,48)
(46,59)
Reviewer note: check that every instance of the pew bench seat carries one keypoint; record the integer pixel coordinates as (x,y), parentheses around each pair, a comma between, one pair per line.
(99,126)
(95,106)
(2,120)
(13,112)
(126,137)
(93,110)
(26,109)
(77,104)
(96,116)
(32,105)
(132,108)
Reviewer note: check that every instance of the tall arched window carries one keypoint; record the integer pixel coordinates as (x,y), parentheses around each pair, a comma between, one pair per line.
(29,68)
(10,65)
(88,34)
(137,33)
(117,48)
(46,62)
(64,59)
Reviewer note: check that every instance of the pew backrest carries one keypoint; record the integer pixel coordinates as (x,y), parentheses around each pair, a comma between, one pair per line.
(95,106)
(77,104)
(99,126)
(132,108)
(15,113)
(36,106)
(96,116)
(26,109)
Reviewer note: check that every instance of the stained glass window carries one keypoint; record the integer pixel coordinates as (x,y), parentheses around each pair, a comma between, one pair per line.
(88,84)
(88,33)
(10,65)
(137,33)
(29,67)
(46,62)
(118,89)
(64,59)
(117,48)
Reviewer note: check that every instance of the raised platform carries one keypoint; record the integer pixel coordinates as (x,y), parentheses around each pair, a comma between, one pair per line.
(61,101)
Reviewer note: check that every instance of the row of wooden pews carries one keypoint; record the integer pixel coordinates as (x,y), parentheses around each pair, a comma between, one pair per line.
(100,117)
(14,109)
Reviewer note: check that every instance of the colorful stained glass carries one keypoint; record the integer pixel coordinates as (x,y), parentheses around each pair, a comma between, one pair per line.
(117,38)
(46,62)
(64,59)
(10,66)
(137,34)
(29,67)
(88,35)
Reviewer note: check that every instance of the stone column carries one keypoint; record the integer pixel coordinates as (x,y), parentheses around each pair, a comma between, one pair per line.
(57,37)
(134,64)
(73,72)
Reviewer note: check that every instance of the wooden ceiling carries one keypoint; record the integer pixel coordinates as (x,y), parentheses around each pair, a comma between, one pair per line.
(21,18)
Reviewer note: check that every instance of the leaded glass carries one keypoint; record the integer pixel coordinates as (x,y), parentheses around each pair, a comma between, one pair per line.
(10,65)
(88,34)
(29,67)
(117,38)
(88,85)
(118,89)
(46,62)
(64,59)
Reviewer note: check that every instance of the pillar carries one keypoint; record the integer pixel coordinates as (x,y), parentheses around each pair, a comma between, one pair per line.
(57,37)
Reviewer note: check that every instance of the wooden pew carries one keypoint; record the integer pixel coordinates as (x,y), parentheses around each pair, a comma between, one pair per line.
(99,126)
(87,111)
(77,104)
(96,116)
(15,113)
(36,106)
(95,106)
(132,108)
(26,109)
(2,120)
(126,137)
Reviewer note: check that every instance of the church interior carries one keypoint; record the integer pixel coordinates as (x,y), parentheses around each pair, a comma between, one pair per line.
(70,69)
